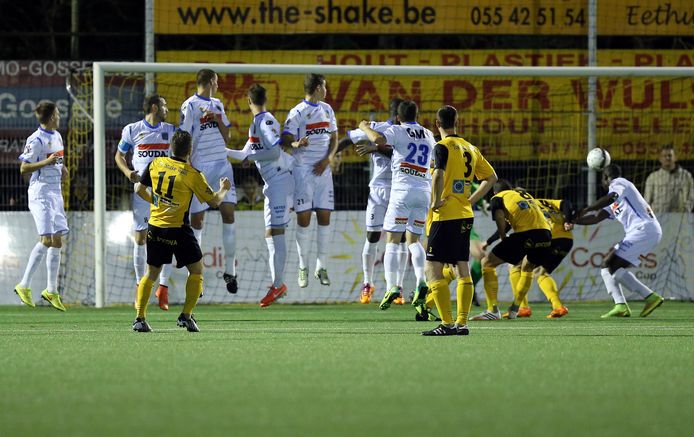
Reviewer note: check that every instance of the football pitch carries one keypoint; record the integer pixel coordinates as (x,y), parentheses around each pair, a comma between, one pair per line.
(344,370)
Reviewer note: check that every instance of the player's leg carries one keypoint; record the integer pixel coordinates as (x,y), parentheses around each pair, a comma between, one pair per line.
(538,244)
(514,273)
(465,288)
(276,208)
(476,254)
(523,285)
(303,204)
(437,253)
(403,257)
(419,206)
(442,297)
(58,228)
(390,263)
(323,203)
(509,250)
(559,249)
(40,211)
(368,260)
(162,293)
(620,309)
(189,254)
(229,242)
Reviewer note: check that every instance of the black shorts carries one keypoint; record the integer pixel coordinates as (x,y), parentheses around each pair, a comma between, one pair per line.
(163,243)
(449,241)
(535,244)
(557,252)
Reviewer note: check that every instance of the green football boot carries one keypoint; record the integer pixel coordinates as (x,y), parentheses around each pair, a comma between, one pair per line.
(653,301)
(619,310)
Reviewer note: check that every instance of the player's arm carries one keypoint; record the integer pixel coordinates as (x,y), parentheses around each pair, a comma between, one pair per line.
(437,178)
(375,137)
(218,196)
(145,182)
(591,217)
(30,167)
(320,166)
(344,143)
(122,164)
(289,141)
(601,203)
(499,216)
(486,174)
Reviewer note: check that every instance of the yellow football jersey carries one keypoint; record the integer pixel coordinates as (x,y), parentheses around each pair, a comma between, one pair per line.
(521,210)
(173,182)
(464,163)
(552,210)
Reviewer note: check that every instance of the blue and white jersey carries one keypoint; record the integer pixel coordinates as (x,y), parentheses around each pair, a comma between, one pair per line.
(382,175)
(146,141)
(39,146)
(413,148)
(208,143)
(630,208)
(264,136)
(315,121)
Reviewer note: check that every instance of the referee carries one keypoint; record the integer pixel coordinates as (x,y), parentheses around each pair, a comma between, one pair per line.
(457,164)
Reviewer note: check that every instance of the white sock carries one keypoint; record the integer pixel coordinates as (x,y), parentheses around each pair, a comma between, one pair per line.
(270,243)
(52,266)
(165,274)
(390,264)
(279,259)
(198,236)
(627,279)
(302,245)
(322,236)
(612,287)
(229,240)
(368,258)
(139,261)
(402,253)
(35,258)
(418,257)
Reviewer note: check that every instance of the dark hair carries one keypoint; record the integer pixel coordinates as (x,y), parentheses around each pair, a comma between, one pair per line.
(502,185)
(150,100)
(181,143)
(312,81)
(257,94)
(613,171)
(447,116)
(205,77)
(393,107)
(667,147)
(44,111)
(407,111)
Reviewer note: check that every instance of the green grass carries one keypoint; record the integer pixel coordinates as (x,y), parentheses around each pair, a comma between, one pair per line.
(344,370)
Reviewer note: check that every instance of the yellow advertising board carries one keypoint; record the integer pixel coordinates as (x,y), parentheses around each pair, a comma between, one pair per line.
(510,17)
(509,117)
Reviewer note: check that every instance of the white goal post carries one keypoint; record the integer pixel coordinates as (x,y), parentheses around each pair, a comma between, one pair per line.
(101,69)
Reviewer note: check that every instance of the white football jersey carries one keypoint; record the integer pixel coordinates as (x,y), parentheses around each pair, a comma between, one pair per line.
(264,135)
(315,121)
(630,208)
(146,141)
(208,143)
(39,146)
(413,148)
(382,175)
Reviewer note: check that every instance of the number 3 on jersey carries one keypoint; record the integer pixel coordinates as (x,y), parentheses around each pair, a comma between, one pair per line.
(418,154)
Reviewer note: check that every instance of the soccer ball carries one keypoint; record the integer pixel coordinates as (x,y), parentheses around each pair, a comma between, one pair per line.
(598,159)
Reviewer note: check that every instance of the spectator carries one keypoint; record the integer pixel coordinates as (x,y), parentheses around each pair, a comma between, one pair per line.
(251,196)
(670,188)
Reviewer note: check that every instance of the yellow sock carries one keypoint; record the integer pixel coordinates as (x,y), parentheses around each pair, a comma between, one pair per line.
(524,283)
(442,297)
(464,291)
(549,288)
(513,277)
(430,301)
(448,273)
(193,290)
(144,290)
(491,287)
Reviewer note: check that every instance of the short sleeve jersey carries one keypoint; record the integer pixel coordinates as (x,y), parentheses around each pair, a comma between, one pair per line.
(630,208)
(39,146)
(413,146)
(315,121)
(521,210)
(208,143)
(552,210)
(146,141)
(174,182)
(382,175)
(462,163)
(263,135)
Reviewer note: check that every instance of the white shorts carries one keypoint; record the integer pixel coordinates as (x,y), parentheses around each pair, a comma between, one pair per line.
(49,213)
(640,241)
(214,171)
(278,200)
(311,191)
(407,211)
(376,208)
(140,213)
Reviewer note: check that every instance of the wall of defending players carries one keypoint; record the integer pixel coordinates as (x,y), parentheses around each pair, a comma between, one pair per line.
(669,271)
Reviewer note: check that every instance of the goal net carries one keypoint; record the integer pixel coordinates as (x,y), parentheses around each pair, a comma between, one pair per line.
(531,124)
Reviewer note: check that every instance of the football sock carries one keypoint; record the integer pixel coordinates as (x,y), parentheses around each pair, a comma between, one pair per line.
(513,277)
(627,279)
(52,266)
(403,253)
(139,260)
(35,258)
(165,274)
(429,302)
(279,259)
(475,271)
(448,273)
(270,243)
(491,287)
(302,245)
(442,298)
(144,290)
(198,236)
(524,283)
(193,290)
(368,258)
(464,292)
(418,257)
(322,236)
(229,240)
(612,287)
(390,264)
(550,289)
